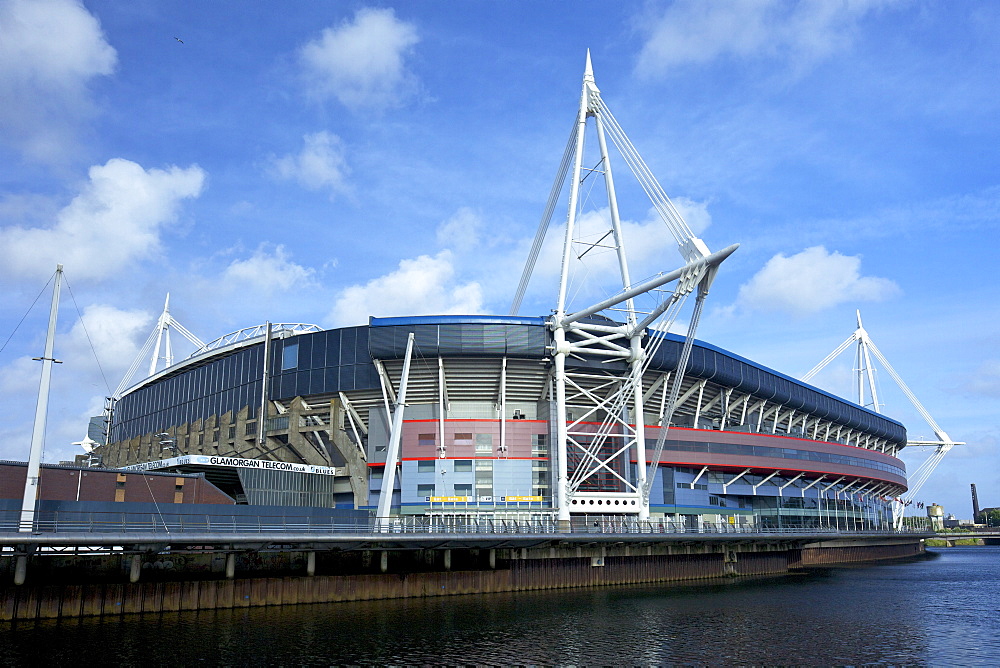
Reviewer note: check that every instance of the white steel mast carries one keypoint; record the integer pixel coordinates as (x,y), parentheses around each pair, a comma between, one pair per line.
(590,477)
(33,474)
(158,339)
(866,348)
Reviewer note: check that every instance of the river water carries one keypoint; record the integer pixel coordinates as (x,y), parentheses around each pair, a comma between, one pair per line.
(940,610)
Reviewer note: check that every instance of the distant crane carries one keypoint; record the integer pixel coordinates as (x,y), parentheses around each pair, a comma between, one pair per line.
(866,349)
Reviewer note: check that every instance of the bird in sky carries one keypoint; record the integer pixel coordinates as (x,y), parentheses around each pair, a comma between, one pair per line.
(179,40)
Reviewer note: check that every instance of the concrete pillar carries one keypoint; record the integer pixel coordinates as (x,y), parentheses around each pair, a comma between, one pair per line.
(384,565)
(311,564)
(729,561)
(136,569)
(20,569)
(493,559)
(447,560)
(230,566)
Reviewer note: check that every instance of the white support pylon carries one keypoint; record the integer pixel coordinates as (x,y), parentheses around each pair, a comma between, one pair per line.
(162,336)
(865,372)
(593,466)
(33,474)
(157,337)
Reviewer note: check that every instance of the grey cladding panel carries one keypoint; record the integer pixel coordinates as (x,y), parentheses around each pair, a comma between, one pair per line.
(526,341)
(454,340)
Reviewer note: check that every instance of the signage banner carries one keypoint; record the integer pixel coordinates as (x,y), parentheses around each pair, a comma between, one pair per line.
(238,462)
(483,499)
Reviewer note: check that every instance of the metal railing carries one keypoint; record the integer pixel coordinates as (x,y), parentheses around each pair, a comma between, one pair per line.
(76,522)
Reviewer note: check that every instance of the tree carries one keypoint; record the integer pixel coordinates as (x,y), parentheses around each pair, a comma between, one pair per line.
(989,516)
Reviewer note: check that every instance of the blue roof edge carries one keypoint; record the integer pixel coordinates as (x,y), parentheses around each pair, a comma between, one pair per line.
(703,344)
(540,321)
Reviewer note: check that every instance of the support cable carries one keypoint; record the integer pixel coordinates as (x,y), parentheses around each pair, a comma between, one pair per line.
(829,358)
(543,225)
(21,321)
(680,230)
(87,333)
(675,388)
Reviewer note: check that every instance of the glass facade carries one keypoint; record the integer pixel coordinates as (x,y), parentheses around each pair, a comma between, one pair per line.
(219,386)
(781,453)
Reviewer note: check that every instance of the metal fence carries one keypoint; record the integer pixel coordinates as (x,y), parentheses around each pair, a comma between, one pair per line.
(75,522)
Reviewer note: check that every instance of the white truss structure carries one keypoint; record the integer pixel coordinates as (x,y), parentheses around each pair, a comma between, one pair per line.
(278,330)
(158,348)
(593,473)
(158,340)
(865,371)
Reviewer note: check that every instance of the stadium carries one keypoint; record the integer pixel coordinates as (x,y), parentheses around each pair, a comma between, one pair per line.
(593,410)
(749,445)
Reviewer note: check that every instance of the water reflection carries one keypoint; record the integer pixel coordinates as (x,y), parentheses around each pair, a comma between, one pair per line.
(940,610)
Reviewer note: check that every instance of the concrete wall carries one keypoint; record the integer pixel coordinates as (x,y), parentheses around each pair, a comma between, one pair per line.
(283,578)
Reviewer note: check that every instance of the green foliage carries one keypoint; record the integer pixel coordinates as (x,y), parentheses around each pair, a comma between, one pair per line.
(941,542)
(991,518)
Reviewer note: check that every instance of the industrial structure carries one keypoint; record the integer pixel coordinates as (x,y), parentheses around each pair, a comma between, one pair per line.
(592,410)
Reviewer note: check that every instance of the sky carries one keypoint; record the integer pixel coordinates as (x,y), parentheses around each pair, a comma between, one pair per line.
(321,162)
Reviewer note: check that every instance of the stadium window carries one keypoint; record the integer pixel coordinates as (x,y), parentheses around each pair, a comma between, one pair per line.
(463,439)
(484,443)
(539,446)
(463,490)
(425,439)
(425,490)
(463,465)
(290,356)
(425,466)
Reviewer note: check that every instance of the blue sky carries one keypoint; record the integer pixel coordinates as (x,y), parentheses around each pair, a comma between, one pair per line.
(323,161)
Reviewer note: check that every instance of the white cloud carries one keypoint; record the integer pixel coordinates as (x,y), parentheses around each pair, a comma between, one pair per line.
(319,165)
(698,31)
(694,213)
(421,286)
(360,63)
(79,385)
(114,333)
(49,52)
(266,271)
(462,231)
(103,344)
(811,281)
(20,377)
(649,246)
(115,220)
